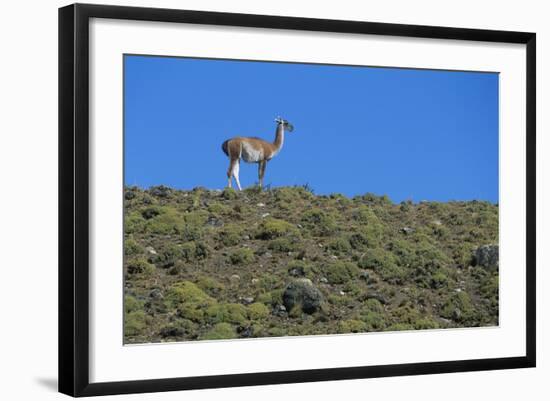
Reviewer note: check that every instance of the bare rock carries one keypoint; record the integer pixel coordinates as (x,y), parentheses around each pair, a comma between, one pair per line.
(303,294)
(486,256)
(247,300)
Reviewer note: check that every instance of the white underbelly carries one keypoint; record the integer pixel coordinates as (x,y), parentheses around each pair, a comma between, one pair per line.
(251,155)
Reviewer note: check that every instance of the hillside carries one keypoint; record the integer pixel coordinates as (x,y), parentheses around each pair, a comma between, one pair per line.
(205,264)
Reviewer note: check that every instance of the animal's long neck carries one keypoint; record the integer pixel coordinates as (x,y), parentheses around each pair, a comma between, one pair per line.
(279,137)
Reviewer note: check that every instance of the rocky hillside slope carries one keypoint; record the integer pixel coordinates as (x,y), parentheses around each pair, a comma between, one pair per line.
(205,264)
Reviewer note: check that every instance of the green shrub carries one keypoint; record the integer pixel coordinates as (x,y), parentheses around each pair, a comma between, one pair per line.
(195,198)
(218,209)
(231,235)
(272,298)
(276,332)
(220,331)
(284,245)
(407,312)
(171,330)
(341,200)
(186,292)
(178,268)
(167,221)
(403,252)
(271,228)
(210,285)
(229,194)
(264,298)
(189,300)
(365,215)
(438,280)
(385,264)
(352,326)
(373,199)
(306,189)
(167,257)
(147,199)
(258,311)
(426,323)
(399,327)
(338,300)
(193,225)
(441,232)
(228,313)
(201,250)
(393,274)
(258,330)
(373,315)
(134,323)
(339,272)
(290,195)
(139,266)
(406,206)
(430,256)
(193,250)
(132,248)
(295,312)
(131,304)
(352,288)
(319,222)
(340,246)
(462,255)
(458,307)
(359,241)
(253,190)
(374,321)
(133,223)
(373,305)
(300,268)
(188,250)
(489,290)
(269,282)
(489,220)
(241,256)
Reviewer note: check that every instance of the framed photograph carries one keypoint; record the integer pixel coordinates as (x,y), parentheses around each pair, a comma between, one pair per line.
(251,199)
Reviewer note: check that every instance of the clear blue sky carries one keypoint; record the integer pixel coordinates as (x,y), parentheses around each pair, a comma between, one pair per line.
(410,134)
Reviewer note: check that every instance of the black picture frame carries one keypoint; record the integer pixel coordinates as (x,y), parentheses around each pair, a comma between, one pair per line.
(74,198)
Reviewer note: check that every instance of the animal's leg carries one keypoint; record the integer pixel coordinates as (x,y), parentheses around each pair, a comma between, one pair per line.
(236,173)
(230,172)
(261,172)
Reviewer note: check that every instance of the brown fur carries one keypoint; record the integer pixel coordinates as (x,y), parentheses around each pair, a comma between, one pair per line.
(233,148)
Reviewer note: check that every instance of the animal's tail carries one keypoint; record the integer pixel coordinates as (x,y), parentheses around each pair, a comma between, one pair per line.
(225,148)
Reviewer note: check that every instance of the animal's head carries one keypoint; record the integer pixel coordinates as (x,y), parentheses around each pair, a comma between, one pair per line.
(287,126)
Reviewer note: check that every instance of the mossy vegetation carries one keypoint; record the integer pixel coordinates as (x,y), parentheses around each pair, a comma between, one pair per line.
(188,300)
(134,316)
(211,265)
(139,266)
(220,331)
(271,228)
(258,311)
(227,313)
(340,272)
(242,256)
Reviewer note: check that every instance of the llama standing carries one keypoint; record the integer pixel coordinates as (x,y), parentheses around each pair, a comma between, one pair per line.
(254,150)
